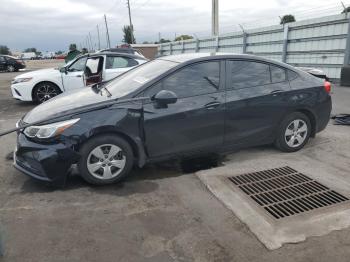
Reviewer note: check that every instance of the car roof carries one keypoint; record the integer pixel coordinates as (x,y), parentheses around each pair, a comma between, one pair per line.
(109,53)
(195,57)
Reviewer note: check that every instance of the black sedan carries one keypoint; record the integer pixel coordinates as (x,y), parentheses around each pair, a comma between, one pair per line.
(168,108)
(10,63)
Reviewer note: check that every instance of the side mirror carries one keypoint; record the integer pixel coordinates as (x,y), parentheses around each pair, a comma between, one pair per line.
(164,97)
(63,70)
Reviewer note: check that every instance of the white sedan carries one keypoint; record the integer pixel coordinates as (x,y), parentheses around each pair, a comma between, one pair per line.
(41,85)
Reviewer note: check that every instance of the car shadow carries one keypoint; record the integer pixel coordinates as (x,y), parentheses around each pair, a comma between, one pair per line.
(140,181)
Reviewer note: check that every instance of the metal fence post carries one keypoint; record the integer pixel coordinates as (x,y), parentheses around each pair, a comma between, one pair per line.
(347,49)
(183,46)
(197,45)
(244,47)
(160,51)
(217,43)
(285,43)
(170,48)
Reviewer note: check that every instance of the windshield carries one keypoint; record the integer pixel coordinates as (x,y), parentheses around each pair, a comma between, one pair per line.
(133,79)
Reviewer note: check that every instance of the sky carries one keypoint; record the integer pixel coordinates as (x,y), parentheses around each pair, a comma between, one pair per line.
(51,25)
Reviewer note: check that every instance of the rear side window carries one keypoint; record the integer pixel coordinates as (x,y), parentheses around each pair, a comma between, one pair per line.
(119,62)
(278,74)
(193,80)
(291,75)
(246,74)
(2,59)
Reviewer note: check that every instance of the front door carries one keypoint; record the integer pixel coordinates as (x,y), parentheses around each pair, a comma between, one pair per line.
(196,121)
(73,78)
(256,101)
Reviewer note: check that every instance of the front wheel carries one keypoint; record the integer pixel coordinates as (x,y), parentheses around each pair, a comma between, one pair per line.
(294,132)
(11,68)
(105,159)
(45,91)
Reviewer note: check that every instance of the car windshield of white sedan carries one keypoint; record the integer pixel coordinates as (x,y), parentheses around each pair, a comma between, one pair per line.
(133,79)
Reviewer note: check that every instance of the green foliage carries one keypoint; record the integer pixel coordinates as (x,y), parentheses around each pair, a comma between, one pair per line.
(346,10)
(72,47)
(59,52)
(287,19)
(128,35)
(183,37)
(30,49)
(162,41)
(4,50)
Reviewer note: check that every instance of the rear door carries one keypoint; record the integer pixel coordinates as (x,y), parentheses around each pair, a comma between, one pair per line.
(256,101)
(116,65)
(196,121)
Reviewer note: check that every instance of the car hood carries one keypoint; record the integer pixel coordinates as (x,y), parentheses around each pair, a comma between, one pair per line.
(66,103)
(46,72)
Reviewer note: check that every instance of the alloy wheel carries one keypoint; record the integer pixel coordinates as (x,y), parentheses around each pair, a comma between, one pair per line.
(296,133)
(106,161)
(46,92)
(10,68)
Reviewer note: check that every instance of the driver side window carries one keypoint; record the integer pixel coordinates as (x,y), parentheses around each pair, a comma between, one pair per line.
(78,65)
(198,79)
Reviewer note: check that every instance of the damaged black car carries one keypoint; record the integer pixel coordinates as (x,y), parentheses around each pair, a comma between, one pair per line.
(171,107)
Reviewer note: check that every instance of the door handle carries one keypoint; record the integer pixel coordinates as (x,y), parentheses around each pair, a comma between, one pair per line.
(212,105)
(276,92)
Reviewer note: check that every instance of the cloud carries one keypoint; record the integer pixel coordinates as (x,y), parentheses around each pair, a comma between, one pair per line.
(53,25)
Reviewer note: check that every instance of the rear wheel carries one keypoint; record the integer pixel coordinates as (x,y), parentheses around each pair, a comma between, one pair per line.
(294,132)
(45,91)
(105,160)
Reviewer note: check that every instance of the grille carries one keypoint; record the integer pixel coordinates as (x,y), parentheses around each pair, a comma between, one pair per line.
(285,192)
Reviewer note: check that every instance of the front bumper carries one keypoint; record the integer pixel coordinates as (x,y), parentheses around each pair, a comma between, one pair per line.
(22,91)
(45,162)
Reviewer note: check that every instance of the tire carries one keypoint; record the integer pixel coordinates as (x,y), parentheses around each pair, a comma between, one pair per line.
(45,91)
(294,132)
(11,68)
(99,166)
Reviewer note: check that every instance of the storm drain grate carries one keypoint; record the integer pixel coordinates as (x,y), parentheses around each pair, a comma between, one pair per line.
(284,192)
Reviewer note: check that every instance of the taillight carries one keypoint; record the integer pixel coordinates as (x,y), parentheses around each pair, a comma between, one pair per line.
(327,86)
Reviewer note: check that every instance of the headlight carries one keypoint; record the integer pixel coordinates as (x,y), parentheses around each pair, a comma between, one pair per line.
(49,130)
(21,80)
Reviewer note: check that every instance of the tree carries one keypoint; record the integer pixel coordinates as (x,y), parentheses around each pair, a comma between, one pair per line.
(30,49)
(162,41)
(287,19)
(346,10)
(59,52)
(183,37)
(72,47)
(128,35)
(4,50)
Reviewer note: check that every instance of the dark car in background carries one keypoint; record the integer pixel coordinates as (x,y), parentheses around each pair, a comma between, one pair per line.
(10,63)
(172,107)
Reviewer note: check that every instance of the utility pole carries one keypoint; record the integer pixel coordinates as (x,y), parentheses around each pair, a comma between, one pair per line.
(130,23)
(215,18)
(98,35)
(159,37)
(107,33)
(92,45)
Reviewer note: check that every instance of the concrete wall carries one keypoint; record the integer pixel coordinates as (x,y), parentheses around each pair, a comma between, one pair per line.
(321,42)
